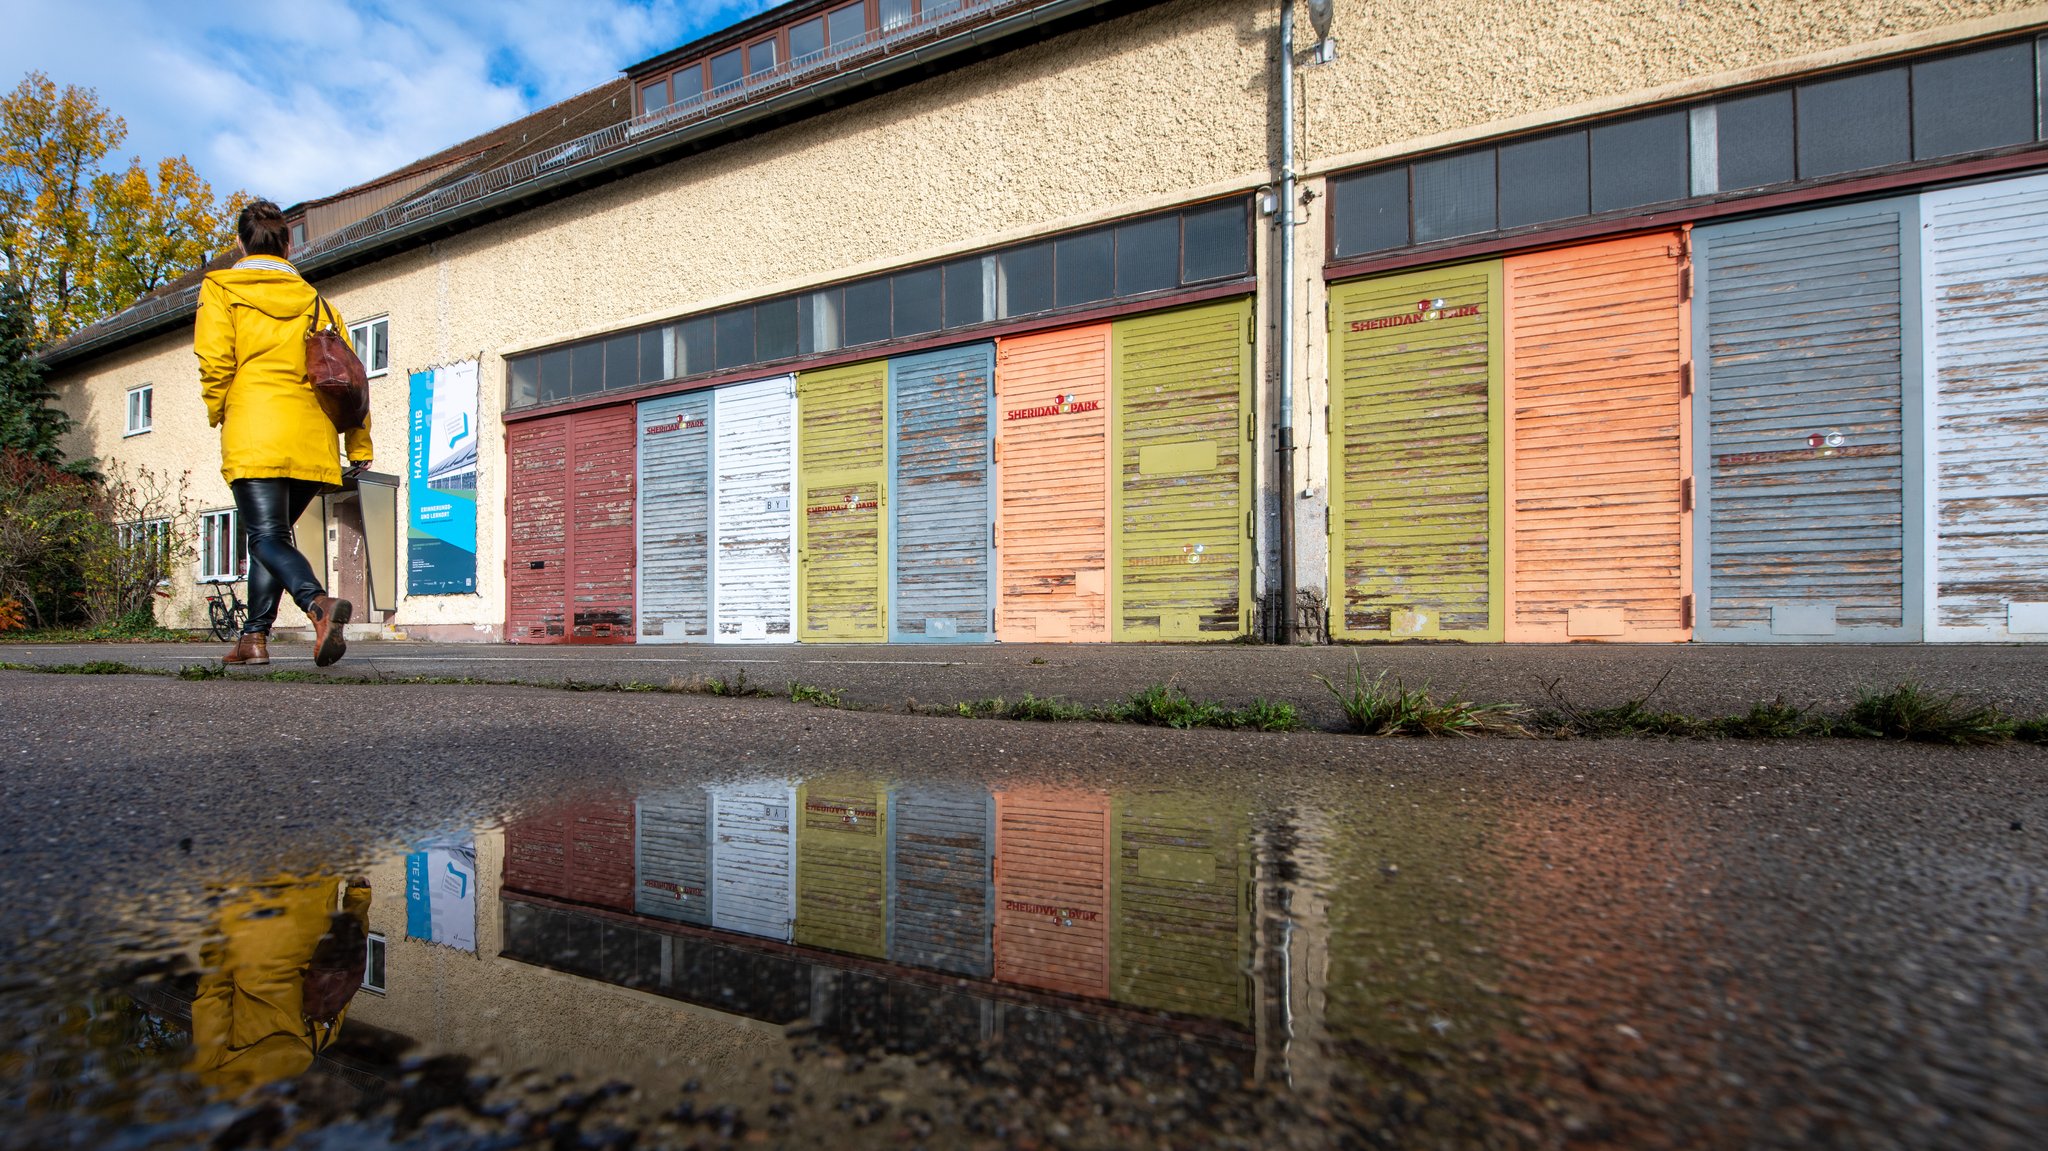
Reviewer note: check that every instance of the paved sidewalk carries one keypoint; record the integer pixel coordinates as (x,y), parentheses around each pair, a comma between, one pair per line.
(1699,680)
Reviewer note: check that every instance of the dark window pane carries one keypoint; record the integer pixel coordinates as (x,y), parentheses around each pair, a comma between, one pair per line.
(867,311)
(760,57)
(775,329)
(1642,161)
(917,302)
(2041,72)
(1974,101)
(586,369)
(1369,212)
(966,294)
(693,346)
(1147,255)
(725,69)
(1853,123)
(653,355)
(818,322)
(1024,280)
(895,14)
(1454,196)
(554,375)
(735,334)
(1753,138)
(621,362)
(1214,242)
(689,83)
(654,96)
(525,386)
(806,38)
(848,24)
(1543,180)
(1085,268)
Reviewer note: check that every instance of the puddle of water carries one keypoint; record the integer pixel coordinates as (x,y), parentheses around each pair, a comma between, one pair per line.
(848,962)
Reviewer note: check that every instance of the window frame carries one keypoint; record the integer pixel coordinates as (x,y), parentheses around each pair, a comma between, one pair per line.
(147,394)
(238,547)
(157,528)
(777,49)
(374,945)
(358,332)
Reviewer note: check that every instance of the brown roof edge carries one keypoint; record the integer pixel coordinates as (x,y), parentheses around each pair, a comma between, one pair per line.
(752,25)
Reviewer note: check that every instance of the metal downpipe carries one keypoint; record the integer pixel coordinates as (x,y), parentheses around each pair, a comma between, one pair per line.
(1283,431)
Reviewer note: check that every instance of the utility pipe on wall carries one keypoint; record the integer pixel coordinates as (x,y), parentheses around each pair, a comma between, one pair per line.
(1283,430)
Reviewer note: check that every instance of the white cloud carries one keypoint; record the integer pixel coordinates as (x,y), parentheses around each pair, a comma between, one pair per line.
(299,100)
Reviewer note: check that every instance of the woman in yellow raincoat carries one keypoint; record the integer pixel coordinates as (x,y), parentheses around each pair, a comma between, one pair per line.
(248,1020)
(277,447)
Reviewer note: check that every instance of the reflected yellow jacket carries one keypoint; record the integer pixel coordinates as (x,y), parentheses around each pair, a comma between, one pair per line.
(248,1020)
(251,342)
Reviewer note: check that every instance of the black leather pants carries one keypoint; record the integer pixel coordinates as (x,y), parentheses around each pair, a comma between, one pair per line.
(269,508)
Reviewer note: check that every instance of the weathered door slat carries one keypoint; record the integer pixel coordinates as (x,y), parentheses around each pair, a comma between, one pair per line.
(753,512)
(1807,357)
(1985,251)
(842,512)
(941,898)
(672,856)
(1052,425)
(1052,890)
(753,859)
(1182,496)
(537,531)
(580,852)
(842,866)
(1182,907)
(941,516)
(674,584)
(1598,540)
(1417,421)
(571,506)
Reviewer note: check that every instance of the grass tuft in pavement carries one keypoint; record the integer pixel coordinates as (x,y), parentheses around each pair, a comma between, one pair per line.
(815,696)
(1911,712)
(1373,707)
(1774,720)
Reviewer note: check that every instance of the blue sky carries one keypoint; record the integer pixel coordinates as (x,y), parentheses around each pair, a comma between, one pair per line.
(298,99)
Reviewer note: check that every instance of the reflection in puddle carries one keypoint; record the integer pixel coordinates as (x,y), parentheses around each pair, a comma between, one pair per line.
(847,961)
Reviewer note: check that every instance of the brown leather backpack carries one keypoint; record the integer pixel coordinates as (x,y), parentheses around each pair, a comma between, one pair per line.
(335,973)
(334,372)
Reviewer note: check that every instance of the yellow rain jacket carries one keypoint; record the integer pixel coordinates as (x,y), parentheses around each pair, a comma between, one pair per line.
(248,1021)
(251,344)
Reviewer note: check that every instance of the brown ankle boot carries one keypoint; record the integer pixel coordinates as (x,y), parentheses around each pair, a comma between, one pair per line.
(329,615)
(252,648)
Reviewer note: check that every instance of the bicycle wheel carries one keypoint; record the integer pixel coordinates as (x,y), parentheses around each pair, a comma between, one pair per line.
(223,620)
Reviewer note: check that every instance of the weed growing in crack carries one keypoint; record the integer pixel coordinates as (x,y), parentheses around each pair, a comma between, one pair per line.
(735,685)
(1774,720)
(1372,707)
(1911,712)
(815,696)
(201,671)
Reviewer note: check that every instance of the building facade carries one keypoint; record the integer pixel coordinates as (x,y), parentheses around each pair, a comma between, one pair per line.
(885,322)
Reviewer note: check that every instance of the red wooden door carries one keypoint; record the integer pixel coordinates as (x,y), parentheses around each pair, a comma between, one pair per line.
(569,528)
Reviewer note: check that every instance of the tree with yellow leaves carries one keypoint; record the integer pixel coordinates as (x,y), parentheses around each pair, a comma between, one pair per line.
(82,243)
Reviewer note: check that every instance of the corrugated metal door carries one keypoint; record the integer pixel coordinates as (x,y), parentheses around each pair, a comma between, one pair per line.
(1986,259)
(1598,496)
(536,536)
(1052,890)
(1182,502)
(942,518)
(1812,357)
(754,521)
(1417,423)
(842,866)
(675,519)
(842,521)
(580,852)
(1053,480)
(601,458)
(1183,907)
(753,859)
(941,849)
(672,856)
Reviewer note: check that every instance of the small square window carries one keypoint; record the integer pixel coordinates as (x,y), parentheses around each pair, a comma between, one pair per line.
(1851,123)
(775,324)
(1369,212)
(525,385)
(654,95)
(141,409)
(693,346)
(725,69)
(847,25)
(1454,196)
(1543,179)
(657,359)
(372,340)
(1973,102)
(621,362)
(223,554)
(146,547)
(867,311)
(1147,256)
(1024,280)
(807,38)
(554,375)
(1753,140)
(761,57)
(735,335)
(1216,241)
(895,14)
(374,958)
(969,288)
(1647,160)
(586,369)
(1084,268)
(687,84)
(917,302)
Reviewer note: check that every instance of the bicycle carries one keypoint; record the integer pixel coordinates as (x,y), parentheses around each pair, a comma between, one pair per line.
(227,615)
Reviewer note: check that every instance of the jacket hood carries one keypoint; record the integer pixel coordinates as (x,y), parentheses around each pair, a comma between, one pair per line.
(278,294)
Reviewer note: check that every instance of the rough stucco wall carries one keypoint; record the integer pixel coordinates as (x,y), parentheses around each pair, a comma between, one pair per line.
(1157,108)
(1408,72)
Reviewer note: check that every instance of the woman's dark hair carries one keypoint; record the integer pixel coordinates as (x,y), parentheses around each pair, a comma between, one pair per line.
(263,230)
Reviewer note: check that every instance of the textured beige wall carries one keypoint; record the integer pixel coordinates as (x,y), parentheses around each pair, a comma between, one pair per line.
(1412,76)
(1153,109)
